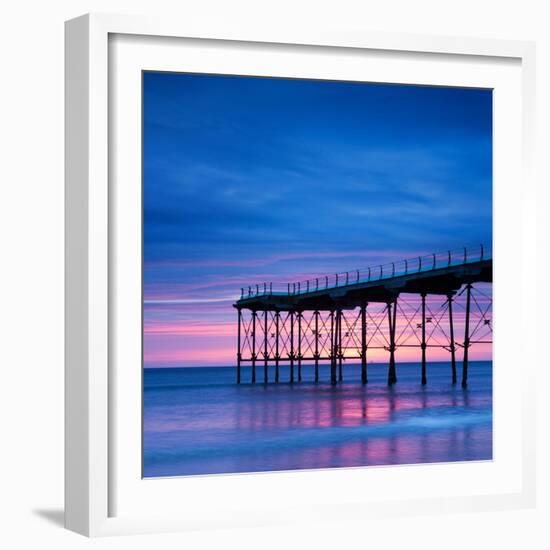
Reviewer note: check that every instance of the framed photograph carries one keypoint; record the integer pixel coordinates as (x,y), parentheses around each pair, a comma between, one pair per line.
(294,283)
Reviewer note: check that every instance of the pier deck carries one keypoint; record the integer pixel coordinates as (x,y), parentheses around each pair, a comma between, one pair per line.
(315,320)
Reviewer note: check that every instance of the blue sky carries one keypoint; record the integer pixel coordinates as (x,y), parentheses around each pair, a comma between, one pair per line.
(255,179)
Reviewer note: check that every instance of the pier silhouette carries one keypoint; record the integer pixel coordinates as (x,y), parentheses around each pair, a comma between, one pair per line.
(438,300)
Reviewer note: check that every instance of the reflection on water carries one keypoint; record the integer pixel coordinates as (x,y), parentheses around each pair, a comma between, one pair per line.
(198,421)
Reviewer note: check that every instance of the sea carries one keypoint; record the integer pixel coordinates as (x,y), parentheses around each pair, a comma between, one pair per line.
(198,420)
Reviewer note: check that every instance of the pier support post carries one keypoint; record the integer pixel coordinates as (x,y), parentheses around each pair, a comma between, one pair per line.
(292,347)
(332,349)
(265,346)
(316,314)
(239,321)
(392,376)
(423,344)
(277,317)
(339,348)
(466,336)
(254,347)
(299,346)
(364,343)
(452,337)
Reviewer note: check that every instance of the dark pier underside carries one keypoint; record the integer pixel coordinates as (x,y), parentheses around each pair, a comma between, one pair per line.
(444,281)
(278,329)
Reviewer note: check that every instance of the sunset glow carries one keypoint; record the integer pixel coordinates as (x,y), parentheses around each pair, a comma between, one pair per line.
(251,180)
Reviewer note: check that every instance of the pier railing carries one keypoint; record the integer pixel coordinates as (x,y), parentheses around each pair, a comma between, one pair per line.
(418,264)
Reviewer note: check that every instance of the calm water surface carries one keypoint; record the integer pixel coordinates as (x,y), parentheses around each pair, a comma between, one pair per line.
(198,421)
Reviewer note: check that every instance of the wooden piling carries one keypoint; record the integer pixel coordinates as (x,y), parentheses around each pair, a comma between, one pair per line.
(277,317)
(291,347)
(332,349)
(265,348)
(239,353)
(466,336)
(316,346)
(299,346)
(339,348)
(452,338)
(254,347)
(364,343)
(423,344)
(392,376)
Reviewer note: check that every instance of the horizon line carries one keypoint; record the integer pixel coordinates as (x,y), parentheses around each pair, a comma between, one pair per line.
(283,365)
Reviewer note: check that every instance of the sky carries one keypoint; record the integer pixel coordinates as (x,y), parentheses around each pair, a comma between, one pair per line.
(249,180)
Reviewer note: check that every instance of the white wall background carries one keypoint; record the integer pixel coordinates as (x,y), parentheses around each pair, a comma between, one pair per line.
(31,267)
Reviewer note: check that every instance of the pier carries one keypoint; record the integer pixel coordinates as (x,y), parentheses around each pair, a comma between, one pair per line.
(441,300)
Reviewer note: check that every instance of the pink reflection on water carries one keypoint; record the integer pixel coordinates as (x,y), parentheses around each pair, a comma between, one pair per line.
(354,406)
(193,424)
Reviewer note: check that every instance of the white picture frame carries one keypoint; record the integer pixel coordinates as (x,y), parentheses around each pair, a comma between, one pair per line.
(99,500)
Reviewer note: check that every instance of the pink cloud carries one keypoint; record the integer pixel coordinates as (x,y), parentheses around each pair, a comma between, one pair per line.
(193,334)
(193,328)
